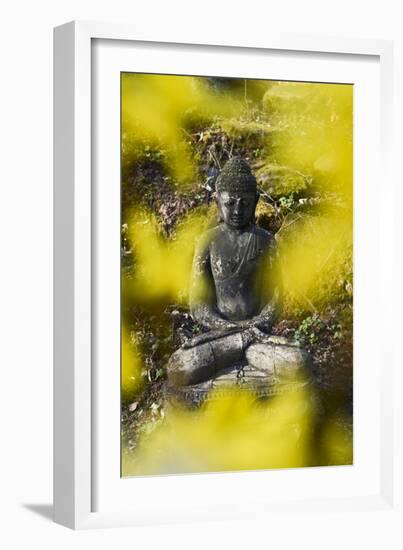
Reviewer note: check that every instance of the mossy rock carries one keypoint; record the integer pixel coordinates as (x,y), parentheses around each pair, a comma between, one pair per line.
(291,94)
(277,180)
(265,216)
(254,133)
(296,98)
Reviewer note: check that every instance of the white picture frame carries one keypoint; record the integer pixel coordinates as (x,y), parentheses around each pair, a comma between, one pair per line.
(77,389)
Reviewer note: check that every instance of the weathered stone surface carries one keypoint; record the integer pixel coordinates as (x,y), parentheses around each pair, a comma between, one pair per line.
(243,378)
(265,215)
(277,180)
(202,360)
(235,296)
(256,133)
(289,99)
(269,369)
(283,360)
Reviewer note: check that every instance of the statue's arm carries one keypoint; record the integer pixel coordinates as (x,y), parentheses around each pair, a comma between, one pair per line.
(202,292)
(272,290)
(208,317)
(269,314)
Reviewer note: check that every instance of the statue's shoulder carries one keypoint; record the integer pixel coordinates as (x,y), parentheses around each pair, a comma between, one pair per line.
(212,231)
(264,237)
(207,237)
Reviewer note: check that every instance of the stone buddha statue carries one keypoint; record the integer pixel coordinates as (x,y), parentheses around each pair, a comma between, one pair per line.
(235,296)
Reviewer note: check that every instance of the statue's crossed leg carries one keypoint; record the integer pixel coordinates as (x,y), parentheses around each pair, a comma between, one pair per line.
(276,359)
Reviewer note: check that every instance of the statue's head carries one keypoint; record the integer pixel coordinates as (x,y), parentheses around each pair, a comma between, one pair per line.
(236,192)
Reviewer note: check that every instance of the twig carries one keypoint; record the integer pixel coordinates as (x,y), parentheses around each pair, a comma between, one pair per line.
(284,225)
(215,159)
(191,136)
(230,152)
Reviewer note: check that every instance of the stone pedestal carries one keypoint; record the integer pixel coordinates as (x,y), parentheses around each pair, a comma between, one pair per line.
(244,379)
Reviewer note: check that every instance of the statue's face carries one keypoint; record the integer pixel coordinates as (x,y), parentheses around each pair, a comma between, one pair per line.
(237,208)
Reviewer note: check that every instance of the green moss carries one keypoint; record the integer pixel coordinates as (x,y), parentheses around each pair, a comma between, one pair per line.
(279,180)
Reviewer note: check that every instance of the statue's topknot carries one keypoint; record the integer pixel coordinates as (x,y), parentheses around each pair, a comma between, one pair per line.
(236,176)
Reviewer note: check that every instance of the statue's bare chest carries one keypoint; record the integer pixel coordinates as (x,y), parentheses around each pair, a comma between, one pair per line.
(231,257)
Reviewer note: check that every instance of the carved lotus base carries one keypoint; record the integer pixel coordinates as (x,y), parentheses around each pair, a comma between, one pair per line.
(243,379)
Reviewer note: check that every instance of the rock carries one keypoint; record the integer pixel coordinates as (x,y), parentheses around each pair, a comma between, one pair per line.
(258,131)
(288,102)
(266,216)
(277,180)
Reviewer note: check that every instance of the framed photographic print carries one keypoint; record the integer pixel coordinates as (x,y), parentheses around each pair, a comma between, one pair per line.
(219,267)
